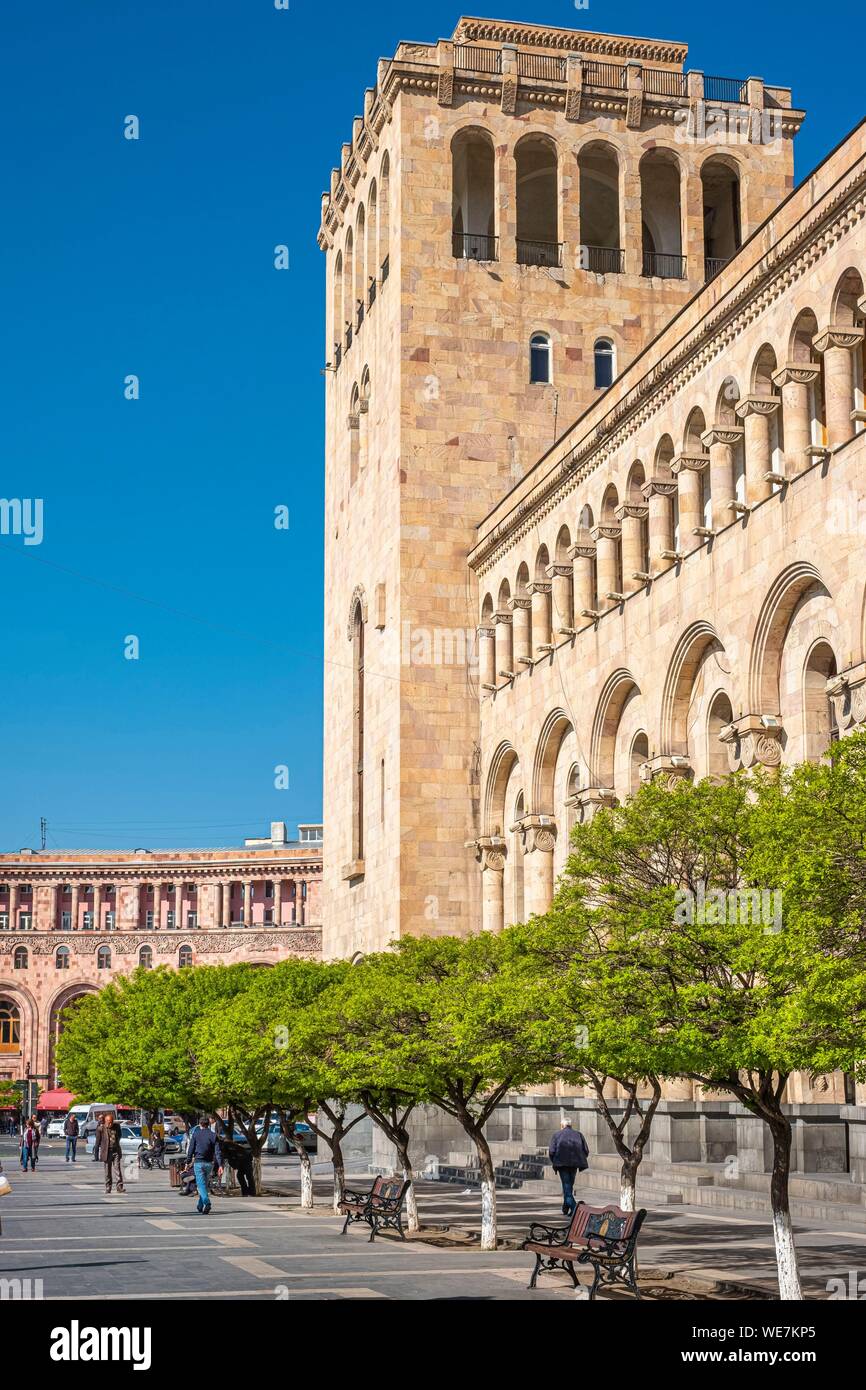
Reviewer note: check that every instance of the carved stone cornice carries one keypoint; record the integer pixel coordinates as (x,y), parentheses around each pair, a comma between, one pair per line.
(636,510)
(693,463)
(539,587)
(485,632)
(606,533)
(305,941)
(519,602)
(757,405)
(544,36)
(848,693)
(559,571)
(723,434)
(803,373)
(582,552)
(838,335)
(501,617)
(750,742)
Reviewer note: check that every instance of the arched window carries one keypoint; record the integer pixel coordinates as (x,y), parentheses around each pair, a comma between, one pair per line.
(538,240)
(372,244)
(540,359)
(721,714)
(20,958)
(145,957)
(638,756)
(603,357)
(473,205)
(364,409)
(385,218)
(358,734)
(10,1027)
(661,222)
(103,958)
(338,308)
(184,957)
(600,244)
(349,288)
(720,185)
(61,958)
(819,713)
(354,423)
(360,266)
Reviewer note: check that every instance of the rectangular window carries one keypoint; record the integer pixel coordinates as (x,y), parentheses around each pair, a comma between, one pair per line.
(4,921)
(192,920)
(109,921)
(24,920)
(169,921)
(88,921)
(269,916)
(148,920)
(66,921)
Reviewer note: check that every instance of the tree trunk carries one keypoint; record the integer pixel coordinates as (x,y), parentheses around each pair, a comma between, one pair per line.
(488,1191)
(412,1222)
(628,1182)
(783,1231)
(306,1176)
(339,1173)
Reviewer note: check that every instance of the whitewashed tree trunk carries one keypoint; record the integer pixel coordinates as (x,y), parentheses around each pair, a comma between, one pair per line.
(790,1288)
(306,1178)
(626,1191)
(339,1177)
(488,1193)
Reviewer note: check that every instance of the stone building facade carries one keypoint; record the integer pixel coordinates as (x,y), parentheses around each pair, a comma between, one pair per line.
(72,920)
(519,212)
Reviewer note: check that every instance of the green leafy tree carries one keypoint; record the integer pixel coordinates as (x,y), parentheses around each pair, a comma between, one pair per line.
(445,1022)
(698,960)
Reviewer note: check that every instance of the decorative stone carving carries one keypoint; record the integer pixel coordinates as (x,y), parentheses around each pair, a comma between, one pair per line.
(838,335)
(509,95)
(723,434)
(757,405)
(667,769)
(608,533)
(539,587)
(695,463)
(492,852)
(298,940)
(584,552)
(751,742)
(358,596)
(635,510)
(659,487)
(518,601)
(848,693)
(801,373)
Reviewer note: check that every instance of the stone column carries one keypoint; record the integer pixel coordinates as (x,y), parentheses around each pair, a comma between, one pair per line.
(247,902)
(487,655)
(178,906)
(540,593)
(660,494)
(720,441)
(755,412)
(562,604)
(504,658)
(837,343)
(97,907)
(584,595)
(492,859)
(55,898)
(157,905)
(538,865)
(302,902)
(632,517)
(794,380)
(687,470)
(521,609)
(606,541)
(630,216)
(278,902)
(506,220)
(14,896)
(227,903)
(693,218)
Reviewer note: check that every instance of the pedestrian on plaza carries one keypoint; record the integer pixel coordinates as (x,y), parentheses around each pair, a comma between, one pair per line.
(240,1158)
(203,1153)
(108,1150)
(43,1128)
(29,1145)
(569,1154)
(71,1130)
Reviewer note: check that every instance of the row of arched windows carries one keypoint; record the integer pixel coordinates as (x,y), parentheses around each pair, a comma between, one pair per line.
(63,958)
(362,265)
(538,166)
(762,432)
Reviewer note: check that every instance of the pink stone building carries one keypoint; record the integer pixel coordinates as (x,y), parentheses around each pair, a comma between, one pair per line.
(71,920)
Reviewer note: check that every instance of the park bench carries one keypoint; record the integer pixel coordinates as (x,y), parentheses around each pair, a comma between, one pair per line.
(381,1208)
(603,1237)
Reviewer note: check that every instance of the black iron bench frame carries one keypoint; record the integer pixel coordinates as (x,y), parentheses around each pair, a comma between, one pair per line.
(381,1208)
(603,1237)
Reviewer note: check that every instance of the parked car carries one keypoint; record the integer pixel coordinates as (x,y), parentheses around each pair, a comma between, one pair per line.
(277,1143)
(55,1128)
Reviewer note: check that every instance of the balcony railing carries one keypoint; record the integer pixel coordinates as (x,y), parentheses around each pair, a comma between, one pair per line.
(470,58)
(539,252)
(604,260)
(469,246)
(664,265)
(541,66)
(714,264)
(661,83)
(610,76)
(729,89)
(386,268)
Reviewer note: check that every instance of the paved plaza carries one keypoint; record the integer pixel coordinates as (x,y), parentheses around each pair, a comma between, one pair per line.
(58,1226)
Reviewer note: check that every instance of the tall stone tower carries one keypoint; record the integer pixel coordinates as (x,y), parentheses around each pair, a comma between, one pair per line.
(518,213)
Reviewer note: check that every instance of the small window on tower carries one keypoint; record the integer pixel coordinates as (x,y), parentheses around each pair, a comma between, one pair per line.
(604,369)
(540,359)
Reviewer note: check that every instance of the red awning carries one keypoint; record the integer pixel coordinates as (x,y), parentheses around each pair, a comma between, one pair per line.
(54,1100)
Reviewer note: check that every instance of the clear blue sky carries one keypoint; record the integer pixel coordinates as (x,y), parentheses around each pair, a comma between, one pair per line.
(155,257)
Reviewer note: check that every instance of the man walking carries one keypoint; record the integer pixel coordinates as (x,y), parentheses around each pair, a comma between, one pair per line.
(203,1153)
(107,1146)
(70,1129)
(29,1145)
(239,1157)
(569,1154)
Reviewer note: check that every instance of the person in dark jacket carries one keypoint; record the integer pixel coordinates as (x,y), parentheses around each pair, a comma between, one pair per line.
(239,1157)
(569,1154)
(71,1130)
(203,1153)
(108,1150)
